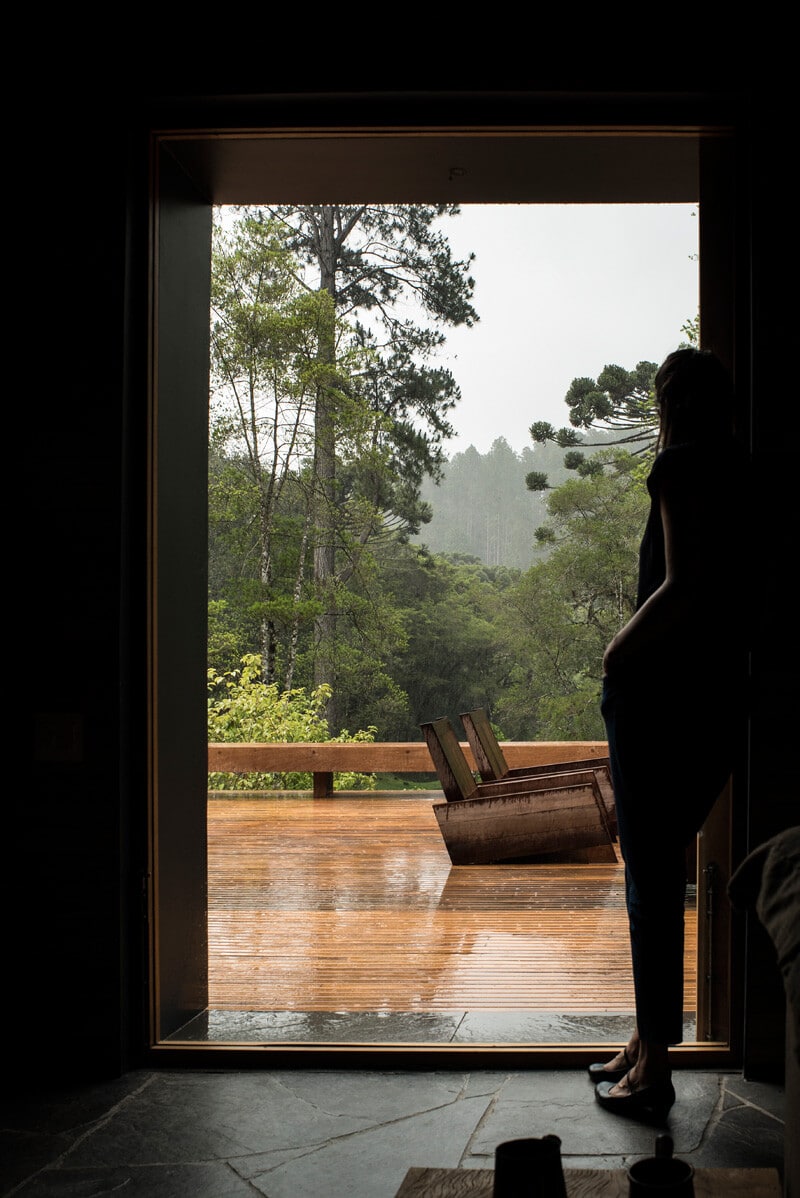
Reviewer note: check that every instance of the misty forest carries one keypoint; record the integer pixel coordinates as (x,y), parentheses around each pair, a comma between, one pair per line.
(360,579)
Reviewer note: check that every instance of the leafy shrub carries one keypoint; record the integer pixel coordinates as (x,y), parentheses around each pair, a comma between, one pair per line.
(244,709)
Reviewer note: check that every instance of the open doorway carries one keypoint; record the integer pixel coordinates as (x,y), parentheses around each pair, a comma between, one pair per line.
(173,1018)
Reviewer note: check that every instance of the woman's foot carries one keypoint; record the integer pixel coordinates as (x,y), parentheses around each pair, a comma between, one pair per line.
(615,1069)
(637,1097)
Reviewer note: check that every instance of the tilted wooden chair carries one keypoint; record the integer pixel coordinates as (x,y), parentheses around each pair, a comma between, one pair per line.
(493,767)
(543,817)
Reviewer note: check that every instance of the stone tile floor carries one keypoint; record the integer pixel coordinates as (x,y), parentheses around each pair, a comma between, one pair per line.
(280,1133)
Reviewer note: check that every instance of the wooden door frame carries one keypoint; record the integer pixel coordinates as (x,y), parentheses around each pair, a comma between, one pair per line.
(201,165)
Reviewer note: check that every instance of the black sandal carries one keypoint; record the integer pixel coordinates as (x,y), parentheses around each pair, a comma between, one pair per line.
(648,1103)
(599,1073)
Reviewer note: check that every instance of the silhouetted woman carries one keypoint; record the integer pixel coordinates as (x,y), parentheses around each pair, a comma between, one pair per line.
(673,701)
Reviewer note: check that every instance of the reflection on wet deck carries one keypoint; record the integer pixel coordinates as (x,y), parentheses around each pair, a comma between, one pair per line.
(351,905)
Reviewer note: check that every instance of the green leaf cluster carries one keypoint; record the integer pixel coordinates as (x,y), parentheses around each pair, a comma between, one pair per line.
(244,709)
(618,407)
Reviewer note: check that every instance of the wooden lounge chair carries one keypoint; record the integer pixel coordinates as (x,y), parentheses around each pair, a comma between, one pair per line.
(544,817)
(492,765)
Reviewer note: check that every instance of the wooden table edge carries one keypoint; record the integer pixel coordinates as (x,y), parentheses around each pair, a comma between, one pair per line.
(589,1183)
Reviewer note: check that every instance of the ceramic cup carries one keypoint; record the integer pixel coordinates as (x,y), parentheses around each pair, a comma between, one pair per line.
(529,1168)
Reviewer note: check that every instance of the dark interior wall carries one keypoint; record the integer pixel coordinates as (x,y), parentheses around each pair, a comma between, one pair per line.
(774,791)
(80,852)
(77,860)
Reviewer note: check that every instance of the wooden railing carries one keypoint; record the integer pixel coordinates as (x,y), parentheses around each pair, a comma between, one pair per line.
(385,757)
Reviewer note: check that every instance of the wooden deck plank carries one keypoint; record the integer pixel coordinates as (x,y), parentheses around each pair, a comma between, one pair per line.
(351,904)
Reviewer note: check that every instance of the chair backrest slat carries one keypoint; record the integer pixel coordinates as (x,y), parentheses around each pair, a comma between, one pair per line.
(485,746)
(448,758)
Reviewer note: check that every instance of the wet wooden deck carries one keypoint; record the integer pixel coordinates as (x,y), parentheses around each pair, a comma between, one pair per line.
(351,904)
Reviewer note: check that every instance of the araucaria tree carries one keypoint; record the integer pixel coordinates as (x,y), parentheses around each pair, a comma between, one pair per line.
(342,310)
(619,404)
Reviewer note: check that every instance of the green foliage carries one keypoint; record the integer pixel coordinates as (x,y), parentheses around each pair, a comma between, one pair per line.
(542,431)
(618,407)
(573,715)
(556,622)
(329,419)
(586,467)
(535,480)
(620,399)
(265,375)
(450,660)
(244,709)
(371,259)
(328,412)
(371,633)
(691,331)
(229,634)
(265,328)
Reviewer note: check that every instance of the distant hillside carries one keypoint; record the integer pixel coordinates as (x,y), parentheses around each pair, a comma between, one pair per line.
(483,508)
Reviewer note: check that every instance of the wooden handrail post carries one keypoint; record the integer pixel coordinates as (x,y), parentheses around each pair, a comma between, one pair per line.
(323,784)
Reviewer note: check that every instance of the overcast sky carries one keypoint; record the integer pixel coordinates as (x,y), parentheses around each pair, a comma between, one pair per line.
(562,290)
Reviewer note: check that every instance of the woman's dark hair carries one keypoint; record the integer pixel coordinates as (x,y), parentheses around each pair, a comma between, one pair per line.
(694,396)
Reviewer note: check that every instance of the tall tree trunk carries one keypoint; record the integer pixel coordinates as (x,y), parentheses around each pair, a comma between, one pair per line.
(291,655)
(267,630)
(325,473)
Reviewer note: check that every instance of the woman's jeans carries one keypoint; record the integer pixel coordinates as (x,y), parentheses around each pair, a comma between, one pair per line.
(664,787)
